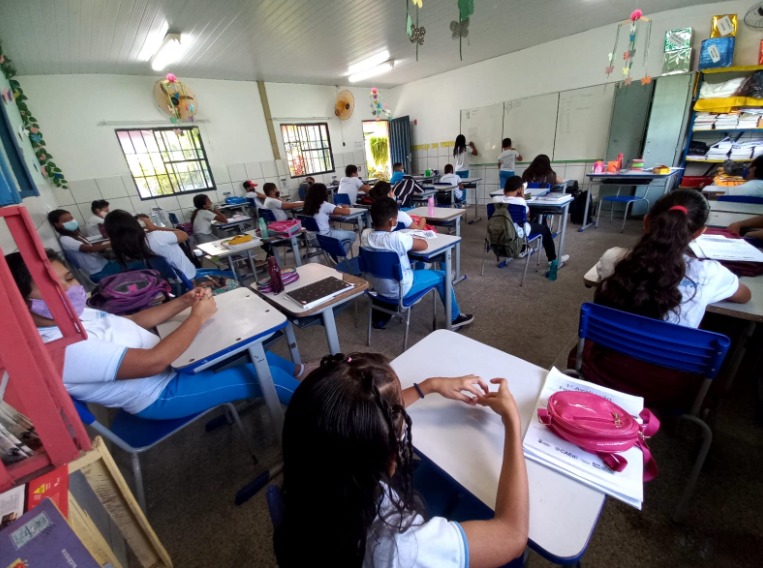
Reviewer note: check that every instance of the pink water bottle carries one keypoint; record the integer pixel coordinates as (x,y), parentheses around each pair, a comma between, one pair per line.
(430,206)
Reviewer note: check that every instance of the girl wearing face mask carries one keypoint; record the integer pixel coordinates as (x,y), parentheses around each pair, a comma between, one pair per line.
(122,364)
(85,255)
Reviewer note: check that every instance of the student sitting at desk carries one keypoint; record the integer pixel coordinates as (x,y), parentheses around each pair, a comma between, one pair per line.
(202,217)
(753,187)
(122,364)
(318,206)
(277,205)
(443,197)
(397,173)
(383,236)
(251,192)
(539,171)
(87,256)
(381,190)
(507,161)
(305,186)
(94,225)
(513,194)
(751,228)
(351,184)
(359,507)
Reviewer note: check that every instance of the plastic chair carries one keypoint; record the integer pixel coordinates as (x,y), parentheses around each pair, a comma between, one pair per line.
(519,216)
(628,200)
(741,199)
(386,264)
(136,435)
(267,214)
(336,254)
(342,199)
(666,345)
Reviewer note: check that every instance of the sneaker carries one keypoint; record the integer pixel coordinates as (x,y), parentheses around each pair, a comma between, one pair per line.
(380,325)
(461,321)
(563,259)
(503,263)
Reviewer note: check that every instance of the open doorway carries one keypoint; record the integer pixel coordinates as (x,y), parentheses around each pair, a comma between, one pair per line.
(376,144)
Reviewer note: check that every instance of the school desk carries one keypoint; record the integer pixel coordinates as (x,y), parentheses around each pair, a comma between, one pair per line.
(443,187)
(467,442)
(216,248)
(309,274)
(724,219)
(554,204)
(356,216)
(232,224)
(274,239)
(445,216)
(749,209)
(471,184)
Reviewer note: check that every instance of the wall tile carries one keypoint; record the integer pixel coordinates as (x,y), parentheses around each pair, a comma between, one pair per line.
(129,183)
(237,173)
(253,170)
(576,171)
(138,205)
(186,199)
(112,187)
(220,173)
(269,169)
(119,203)
(282,168)
(62,198)
(168,203)
(85,191)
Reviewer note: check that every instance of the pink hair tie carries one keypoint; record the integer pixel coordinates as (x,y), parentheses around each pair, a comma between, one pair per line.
(680,208)
(349,359)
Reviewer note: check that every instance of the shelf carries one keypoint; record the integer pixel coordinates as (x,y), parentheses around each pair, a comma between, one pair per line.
(727,131)
(705,161)
(738,69)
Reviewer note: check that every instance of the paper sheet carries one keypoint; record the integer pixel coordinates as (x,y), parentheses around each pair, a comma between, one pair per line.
(719,247)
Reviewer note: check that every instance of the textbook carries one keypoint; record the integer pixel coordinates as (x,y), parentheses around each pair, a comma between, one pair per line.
(543,446)
(318,292)
(718,247)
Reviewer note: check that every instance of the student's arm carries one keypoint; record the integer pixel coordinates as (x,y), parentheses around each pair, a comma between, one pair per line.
(559,179)
(292,204)
(448,387)
(181,235)
(341,210)
(755,234)
(504,537)
(419,244)
(151,317)
(364,187)
(741,296)
(100,247)
(753,222)
(139,363)
(421,224)
(519,156)
(473,149)
(219,217)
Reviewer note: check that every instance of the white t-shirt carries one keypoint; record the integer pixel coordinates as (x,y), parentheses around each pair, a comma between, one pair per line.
(508,159)
(350,186)
(437,543)
(395,241)
(90,262)
(275,206)
(322,217)
(706,282)
(453,179)
(512,200)
(461,160)
(753,188)
(202,223)
(165,243)
(91,227)
(404,218)
(90,366)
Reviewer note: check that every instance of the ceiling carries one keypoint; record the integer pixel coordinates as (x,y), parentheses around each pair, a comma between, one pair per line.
(294,41)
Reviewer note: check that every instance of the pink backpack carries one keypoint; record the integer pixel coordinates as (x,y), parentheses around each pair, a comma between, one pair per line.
(285,228)
(601,427)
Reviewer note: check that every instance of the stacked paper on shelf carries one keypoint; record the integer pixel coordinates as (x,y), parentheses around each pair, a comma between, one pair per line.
(720,150)
(704,121)
(545,447)
(748,120)
(727,121)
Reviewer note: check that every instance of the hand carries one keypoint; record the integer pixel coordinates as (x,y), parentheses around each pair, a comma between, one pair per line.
(149,224)
(501,402)
(455,387)
(204,308)
(195,295)
(735,228)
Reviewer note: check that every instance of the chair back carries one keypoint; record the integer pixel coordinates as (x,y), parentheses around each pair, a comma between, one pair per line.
(173,219)
(741,198)
(518,213)
(275,506)
(267,214)
(83,411)
(342,199)
(380,263)
(309,223)
(331,245)
(538,185)
(400,226)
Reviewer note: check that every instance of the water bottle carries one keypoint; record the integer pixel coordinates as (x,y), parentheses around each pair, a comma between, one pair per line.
(263,228)
(553,269)
(430,206)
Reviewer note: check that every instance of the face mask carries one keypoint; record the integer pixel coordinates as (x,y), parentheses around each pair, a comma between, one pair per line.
(103,214)
(72,225)
(142,223)
(77,296)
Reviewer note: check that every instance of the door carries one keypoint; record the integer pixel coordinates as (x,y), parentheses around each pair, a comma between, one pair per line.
(400,141)
(629,119)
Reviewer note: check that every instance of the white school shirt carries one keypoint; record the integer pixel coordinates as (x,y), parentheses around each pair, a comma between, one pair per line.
(453,179)
(461,160)
(436,543)
(508,159)
(322,217)
(395,241)
(90,262)
(705,282)
(751,188)
(276,207)
(404,218)
(90,366)
(91,227)
(512,200)
(165,243)
(202,223)
(350,186)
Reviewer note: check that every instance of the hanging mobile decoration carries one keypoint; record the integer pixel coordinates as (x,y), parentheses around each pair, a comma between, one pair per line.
(629,54)
(378,110)
(460,28)
(415,32)
(175,99)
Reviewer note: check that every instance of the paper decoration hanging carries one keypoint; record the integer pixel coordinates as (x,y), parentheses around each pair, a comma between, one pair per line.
(636,20)
(379,110)
(175,99)
(415,32)
(460,28)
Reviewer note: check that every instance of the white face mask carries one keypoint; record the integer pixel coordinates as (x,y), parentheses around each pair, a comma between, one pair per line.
(142,223)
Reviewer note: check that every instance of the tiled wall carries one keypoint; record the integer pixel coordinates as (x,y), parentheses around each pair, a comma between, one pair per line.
(121,193)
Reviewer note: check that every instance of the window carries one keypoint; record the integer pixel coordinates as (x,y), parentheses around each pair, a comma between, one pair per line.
(166,161)
(308,148)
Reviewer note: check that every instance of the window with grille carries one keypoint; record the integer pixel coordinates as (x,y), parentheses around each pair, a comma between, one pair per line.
(308,148)
(166,161)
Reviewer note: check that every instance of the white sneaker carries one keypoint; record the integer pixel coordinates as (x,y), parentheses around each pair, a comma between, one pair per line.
(563,259)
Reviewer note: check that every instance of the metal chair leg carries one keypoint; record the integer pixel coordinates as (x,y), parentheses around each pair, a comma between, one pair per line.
(434,310)
(707,439)
(625,215)
(370,313)
(232,413)
(407,325)
(138,475)
(598,213)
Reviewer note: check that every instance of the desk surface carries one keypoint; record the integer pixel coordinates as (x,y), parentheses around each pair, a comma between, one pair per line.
(470,180)
(749,209)
(434,246)
(724,219)
(354,212)
(633,174)
(216,248)
(440,213)
(553,202)
(241,318)
(467,442)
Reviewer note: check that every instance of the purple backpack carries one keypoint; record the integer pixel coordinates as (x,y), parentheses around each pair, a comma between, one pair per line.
(129,292)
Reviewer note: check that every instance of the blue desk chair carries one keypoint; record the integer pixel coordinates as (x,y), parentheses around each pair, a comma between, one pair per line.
(267,214)
(386,264)
(741,199)
(545,187)
(627,200)
(136,435)
(532,245)
(336,255)
(342,199)
(663,344)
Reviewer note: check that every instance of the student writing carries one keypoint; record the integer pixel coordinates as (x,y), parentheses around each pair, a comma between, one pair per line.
(507,160)
(461,153)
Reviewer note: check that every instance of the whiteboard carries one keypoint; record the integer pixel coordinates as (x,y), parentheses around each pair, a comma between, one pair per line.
(531,124)
(582,126)
(484,127)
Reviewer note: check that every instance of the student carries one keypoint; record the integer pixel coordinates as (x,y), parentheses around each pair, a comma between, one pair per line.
(202,217)
(251,191)
(359,508)
(122,364)
(513,194)
(461,153)
(277,205)
(753,187)
(539,171)
(305,186)
(397,173)
(751,228)
(383,189)
(383,236)
(88,257)
(453,179)
(406,189)
(507,160)
(351,184)
(93,227)
(318,206)
(131,242)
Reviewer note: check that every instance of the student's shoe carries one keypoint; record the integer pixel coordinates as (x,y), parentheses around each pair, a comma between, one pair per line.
(563,259)
(503,263)
(524,251)
(461,321)
(379,325)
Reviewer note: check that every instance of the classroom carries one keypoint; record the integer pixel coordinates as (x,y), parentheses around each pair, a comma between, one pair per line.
(239,149)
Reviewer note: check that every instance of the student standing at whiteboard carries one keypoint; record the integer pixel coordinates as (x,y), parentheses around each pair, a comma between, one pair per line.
(461,151)
(507,161)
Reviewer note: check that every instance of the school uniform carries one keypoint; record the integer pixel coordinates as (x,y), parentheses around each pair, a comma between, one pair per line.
(92,263)
(532,228)
(202,225)
(276,206)
(350,186)
(396,177)
(507,159)
(751,188)
(165,243)
(461,162)
(453,179)
(93,226)
(324,226)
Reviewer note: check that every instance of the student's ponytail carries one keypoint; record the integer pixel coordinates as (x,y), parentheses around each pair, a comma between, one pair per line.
(646,281)
(199,202)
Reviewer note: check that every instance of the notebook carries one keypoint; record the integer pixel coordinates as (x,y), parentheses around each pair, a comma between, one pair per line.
(319,292)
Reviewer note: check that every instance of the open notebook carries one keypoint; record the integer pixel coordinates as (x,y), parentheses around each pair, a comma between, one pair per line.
(318,292)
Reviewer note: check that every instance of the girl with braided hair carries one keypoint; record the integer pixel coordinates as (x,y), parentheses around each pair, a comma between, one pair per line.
(348,474)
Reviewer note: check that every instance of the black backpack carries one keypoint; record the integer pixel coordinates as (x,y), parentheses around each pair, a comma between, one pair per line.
(502,235)
(405,189)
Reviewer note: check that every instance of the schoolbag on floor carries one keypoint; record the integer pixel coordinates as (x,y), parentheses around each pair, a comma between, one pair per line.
(502,234)
(129,292)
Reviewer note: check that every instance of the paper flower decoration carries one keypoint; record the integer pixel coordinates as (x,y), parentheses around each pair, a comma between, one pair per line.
(171,78)
(417,34)
(378,109)
(636,15)
(459,29)
(646,80)
(635,21)
(418,3)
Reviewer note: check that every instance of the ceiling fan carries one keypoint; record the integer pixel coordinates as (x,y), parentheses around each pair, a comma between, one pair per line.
(754,16)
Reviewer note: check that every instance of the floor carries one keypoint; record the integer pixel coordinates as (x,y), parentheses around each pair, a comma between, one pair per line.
(191,480)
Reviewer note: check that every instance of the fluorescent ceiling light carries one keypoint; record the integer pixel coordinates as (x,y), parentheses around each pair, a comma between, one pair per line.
(153,42)
(373,61)
(378,70)
(170,51)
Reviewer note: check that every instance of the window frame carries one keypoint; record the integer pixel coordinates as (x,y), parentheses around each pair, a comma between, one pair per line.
(168,164)
(330,148)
